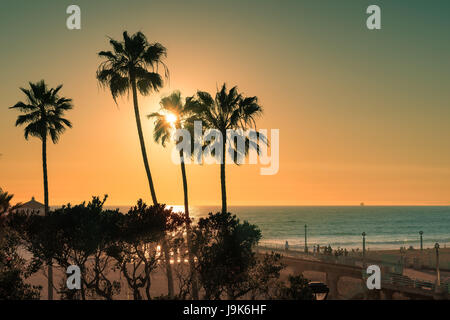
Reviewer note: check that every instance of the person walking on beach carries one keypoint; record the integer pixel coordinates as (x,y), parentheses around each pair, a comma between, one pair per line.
(286,246)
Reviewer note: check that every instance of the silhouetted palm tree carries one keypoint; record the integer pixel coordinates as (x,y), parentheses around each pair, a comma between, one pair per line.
(228,110)
(5,202)
(127,68)
(134,65)
(5,207)
(173,106)
(43,114)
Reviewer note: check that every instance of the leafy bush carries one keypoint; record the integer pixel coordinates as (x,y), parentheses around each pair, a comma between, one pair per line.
(101,242)
(14,269)
(136,249)
(298,289)
(226,262)
(75,235)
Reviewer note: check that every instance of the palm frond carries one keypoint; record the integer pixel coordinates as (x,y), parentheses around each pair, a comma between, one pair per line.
(23,107)
(28,117)
(30,96)
(36,129)
(130,62)
(148,82)
(44,117)
(107,54)
(118,86)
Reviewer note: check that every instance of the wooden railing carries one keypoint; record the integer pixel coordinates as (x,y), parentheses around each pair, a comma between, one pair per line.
(392,277)
(399,280)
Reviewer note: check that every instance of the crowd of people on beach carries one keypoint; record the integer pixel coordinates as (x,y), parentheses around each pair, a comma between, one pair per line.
(327,250)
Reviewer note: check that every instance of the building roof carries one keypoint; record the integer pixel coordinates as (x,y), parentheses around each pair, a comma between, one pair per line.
(32,205)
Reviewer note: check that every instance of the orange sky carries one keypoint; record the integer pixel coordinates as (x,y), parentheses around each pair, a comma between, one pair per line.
(363,116)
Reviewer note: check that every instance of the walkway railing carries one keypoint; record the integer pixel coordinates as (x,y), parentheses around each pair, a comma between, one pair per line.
(392,268)
(399,280)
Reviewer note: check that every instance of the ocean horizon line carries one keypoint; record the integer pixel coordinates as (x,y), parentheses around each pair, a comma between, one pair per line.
(294,205)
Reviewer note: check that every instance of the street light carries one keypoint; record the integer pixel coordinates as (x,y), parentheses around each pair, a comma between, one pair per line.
(306,242)
(421,240)
(438,273)
(364,244)
(319,289)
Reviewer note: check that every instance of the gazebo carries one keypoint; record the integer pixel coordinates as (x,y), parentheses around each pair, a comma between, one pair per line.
(33,206)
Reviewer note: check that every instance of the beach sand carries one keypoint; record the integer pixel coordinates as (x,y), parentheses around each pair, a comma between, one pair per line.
(347,286)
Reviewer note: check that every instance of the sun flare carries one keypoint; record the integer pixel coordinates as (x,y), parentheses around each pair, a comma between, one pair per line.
(171,118)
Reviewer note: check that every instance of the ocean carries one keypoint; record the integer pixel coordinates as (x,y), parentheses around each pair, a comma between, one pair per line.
(386,227)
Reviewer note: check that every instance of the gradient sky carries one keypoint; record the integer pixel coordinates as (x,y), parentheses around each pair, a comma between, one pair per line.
(363,115)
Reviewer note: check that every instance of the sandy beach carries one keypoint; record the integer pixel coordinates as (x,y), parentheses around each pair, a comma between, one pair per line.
(347,286)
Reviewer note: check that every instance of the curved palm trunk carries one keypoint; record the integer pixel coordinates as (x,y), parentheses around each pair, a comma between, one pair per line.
(152,188)
(188,229)
(44,165)
(141,140)
(222,175)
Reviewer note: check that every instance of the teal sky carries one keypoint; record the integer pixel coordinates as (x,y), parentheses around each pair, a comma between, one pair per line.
(363,115)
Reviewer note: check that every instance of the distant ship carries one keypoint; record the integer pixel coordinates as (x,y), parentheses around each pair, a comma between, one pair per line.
(362,204)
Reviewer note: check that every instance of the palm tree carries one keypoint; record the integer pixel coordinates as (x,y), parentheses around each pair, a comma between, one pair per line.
(5,207)
(127,67)
(228,110)
(172,116)
(134,65)
(43,114)
(5,202)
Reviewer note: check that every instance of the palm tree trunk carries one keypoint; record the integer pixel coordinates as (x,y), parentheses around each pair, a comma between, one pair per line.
(141,140)
(152,188)
(188,229)
(222,175)
(46,210)
(165,249)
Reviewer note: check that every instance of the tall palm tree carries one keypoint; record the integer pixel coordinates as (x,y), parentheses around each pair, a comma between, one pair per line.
(228,110)
(133,64)
(172,116)
(42,116)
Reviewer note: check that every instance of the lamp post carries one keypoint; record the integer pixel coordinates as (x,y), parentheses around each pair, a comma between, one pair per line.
(364,246)
(438,273)
(306,242)
(319,290)
(421,240)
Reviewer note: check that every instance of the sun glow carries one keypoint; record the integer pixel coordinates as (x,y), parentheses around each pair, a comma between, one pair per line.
(171,118)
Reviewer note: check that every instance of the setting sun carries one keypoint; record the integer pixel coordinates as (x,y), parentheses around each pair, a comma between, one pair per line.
(171,118)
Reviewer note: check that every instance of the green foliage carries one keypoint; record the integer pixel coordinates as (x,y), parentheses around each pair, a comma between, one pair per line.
(12,287)
(223,247)
(228,110)
(14,269)
(100,242)
(135,251)
(103,241)
(298,289)
(264,277)
(43,111)
(5,202)
(75,235)
(128,64)
(173,104)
